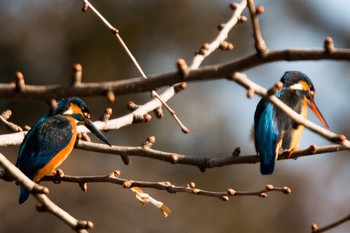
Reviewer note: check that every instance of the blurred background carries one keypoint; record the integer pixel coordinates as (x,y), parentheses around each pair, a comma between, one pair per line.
(43,39)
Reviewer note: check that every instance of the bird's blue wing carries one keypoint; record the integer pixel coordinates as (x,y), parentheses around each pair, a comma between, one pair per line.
(265,136)
(49,136)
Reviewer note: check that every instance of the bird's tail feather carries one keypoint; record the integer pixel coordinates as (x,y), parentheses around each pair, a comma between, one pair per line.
(23,195)
(267,165)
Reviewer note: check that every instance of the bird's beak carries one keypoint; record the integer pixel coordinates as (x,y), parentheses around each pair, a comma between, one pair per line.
(88,123)
(317,112)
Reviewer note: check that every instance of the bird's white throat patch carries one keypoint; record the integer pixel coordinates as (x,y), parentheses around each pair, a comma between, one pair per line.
(296,86)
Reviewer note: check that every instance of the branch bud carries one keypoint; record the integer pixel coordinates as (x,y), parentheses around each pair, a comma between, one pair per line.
(110,96)
(263,195)
(174,158)
(259,10)
(196,191)
(314,227)
(221,26)
(85,7)
(106,114)
(275,88)
(132,106)
(159,112)
(243,19)
(329,45)
(225,198)
(140,119)
(83,187)
(149,142)
(53,104)
(6,114)
(250,93)
(312,148)
(286,190)
(233,5)
(185,130)
(127,184)
(26,127)
(19,81)
(125,159)
(231,191)
(147,117)
(182,68)
(236,152)
(84,224)
(77,74)
(180,87)
(224,45)
(116,173)
(191,185)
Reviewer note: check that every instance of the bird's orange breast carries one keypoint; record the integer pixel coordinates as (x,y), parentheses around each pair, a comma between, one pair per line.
(60,156)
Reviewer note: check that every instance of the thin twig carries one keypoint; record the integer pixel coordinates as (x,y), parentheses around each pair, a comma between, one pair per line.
(260,44)
(222,36)
(137,65)
(166,185)
(10,125)
(315,228)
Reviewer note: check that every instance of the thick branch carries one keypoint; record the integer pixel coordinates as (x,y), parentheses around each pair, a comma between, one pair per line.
(199,161)
(39,193)
(136,85)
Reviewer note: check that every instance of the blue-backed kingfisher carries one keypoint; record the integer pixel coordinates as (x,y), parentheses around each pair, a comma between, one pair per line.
(52,139)
(274,131)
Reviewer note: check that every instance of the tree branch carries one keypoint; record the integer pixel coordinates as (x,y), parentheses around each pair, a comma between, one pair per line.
(39,192)
(199,161)
(164,185)
(260,44)
(315,228)
(136,85)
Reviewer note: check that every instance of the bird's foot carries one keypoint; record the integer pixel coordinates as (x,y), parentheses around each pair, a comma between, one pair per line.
(57,176)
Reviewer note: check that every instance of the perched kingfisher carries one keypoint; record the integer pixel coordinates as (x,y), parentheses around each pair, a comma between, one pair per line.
(274,131)
(52,139)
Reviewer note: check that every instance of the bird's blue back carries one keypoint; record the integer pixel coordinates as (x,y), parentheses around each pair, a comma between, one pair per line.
(49,136)
(271,124)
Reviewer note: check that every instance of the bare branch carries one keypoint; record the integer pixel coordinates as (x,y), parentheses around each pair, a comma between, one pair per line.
(166,185)
(136,85)
(196,160)
(209,48)
(315,228)
(260,44)
(39,192)
(133,59)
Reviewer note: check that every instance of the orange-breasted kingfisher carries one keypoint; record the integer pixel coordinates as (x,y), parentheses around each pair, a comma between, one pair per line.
(274,131)
(52,139)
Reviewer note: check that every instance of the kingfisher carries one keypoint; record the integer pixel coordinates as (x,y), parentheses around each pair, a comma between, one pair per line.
(274,131)
(52,138)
